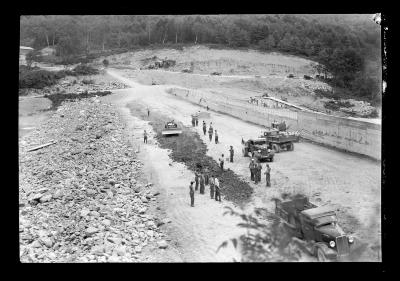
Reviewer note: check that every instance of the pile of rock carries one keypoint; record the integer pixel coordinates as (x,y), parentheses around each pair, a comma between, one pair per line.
(359,108)
(67,86)
(81,199)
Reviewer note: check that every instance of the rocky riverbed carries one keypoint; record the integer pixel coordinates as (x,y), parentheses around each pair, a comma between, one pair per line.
(83,198)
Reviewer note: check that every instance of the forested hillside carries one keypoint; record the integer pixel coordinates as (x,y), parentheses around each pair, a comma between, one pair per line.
(347,46)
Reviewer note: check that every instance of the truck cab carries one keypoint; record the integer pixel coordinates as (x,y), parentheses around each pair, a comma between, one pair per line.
(318,225)
(263,153)
(252,145)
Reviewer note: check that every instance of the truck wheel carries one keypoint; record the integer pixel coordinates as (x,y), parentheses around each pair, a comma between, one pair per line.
(271,159)
(276,148)
(321,255)
(291,147)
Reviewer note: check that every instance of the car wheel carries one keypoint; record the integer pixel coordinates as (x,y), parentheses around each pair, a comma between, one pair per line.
(321,255)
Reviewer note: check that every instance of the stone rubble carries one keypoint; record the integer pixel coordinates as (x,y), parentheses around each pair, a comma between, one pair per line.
(82,199)
(67,86)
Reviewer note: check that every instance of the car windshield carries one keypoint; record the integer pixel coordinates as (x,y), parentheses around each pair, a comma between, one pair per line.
(327,224)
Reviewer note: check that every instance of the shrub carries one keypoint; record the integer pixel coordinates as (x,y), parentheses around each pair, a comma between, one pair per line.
(307,77)
(37,78)
(331,105)
(84,69)
(106,63)
(87,81)
(290,76)
(373,114)
(34,77)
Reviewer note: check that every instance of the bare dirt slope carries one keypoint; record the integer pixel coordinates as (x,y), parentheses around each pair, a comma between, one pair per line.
(240,70)
(349,182)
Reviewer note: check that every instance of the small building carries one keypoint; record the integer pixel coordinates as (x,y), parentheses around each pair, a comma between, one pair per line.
(22,54)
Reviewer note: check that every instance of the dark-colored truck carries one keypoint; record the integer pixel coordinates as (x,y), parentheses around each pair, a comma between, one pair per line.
(258,149)
(318,225)
(279,141)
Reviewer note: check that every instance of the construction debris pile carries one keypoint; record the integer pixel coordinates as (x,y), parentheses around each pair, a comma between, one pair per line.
(81,196)
(155,63)
(358,108)
(73,85)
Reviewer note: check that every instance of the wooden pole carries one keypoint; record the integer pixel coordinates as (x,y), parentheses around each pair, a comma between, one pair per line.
(41,146)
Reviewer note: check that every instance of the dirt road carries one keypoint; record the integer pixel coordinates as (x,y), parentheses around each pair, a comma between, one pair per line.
(348,182)
(196,232)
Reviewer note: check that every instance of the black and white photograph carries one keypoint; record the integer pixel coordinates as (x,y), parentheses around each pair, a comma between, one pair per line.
(200,138)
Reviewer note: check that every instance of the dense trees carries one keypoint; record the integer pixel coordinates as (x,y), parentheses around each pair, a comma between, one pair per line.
(348,46)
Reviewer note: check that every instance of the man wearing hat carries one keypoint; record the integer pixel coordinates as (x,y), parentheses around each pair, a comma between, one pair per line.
(268,176)
(251,167)
(212,191)
(202,180)
(196,178)
(191,193)
(231,154)
(258,172)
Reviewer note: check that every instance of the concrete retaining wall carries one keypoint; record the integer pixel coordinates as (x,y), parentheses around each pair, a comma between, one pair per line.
(350,135)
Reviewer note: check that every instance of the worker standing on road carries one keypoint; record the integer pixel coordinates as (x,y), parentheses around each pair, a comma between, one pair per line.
(191,193)
(255,169)
(148,112)
(212,187)
(231,154)
(216,137)
(268,176)
(197,122)
(210,133)
(204,127)
(217,190)
(259,168)
(196,178)
(221,162)
(201,183)
(206,176)
(207,107)
(193,122)
(145,137)
(251,167)
(252,172)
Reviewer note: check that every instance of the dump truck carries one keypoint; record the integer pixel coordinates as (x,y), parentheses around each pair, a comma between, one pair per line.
(315,224)
(284,130)
(279,141)
(258,149)
(171,128)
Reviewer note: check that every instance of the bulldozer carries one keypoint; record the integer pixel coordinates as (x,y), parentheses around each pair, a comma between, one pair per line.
(171,128)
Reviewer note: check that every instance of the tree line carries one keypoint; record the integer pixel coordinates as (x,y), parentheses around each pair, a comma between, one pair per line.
(346,46)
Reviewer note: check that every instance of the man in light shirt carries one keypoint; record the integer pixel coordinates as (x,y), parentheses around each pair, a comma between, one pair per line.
(212,183)
(217,190)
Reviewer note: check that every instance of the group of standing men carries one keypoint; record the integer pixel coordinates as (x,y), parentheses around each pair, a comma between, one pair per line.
(202,179)
(211,131)
(255,172)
